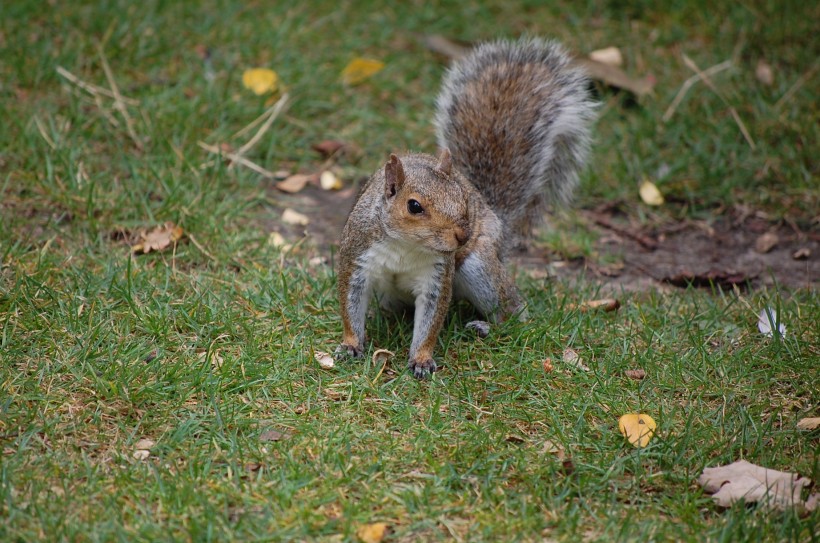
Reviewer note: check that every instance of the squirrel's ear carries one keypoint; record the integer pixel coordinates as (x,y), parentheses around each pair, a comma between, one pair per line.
(445,162)
(393,176)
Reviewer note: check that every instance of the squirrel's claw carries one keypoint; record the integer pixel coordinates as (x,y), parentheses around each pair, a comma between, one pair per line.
(349,350)
(422,368)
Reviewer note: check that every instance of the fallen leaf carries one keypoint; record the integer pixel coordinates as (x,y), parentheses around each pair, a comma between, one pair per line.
(547,365)
(293,183)
(360,70)
(272,435)
(766,242)
(606,304)
(277,240)
(745,481)
(611,56)
(764,73)
(159,238)
(328,148)
(260,80)
(637,428)
(650,193)
(615,77)
(766,321)
(635,374)
(329,181)
(802,254)
(372,533)
(141,454)
(380,356)
(144,444)
(550,447)
(324,359)
(294,217)
(811,423)
(574,359)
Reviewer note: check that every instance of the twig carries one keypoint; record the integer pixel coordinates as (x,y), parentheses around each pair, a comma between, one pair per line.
(201,248)
(92,89)
(797,84)
(691,64)
(42,130)
(645,241)
(273,114)
(238,159)
(688,84)
(118,101)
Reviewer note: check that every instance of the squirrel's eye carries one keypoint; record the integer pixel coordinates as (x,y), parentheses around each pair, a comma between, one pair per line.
(414,207)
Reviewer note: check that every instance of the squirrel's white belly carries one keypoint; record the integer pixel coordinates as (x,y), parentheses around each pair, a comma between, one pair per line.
(399,271)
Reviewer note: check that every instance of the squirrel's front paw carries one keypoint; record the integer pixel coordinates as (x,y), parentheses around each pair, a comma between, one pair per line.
(422,368)
(349,350)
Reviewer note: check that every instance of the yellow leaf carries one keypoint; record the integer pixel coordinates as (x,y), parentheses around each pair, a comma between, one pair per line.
(260,80)
(372,533)
(360,69)
(637,428)
(650,193)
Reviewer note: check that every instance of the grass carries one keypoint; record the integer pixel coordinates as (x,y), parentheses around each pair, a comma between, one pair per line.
(204,348)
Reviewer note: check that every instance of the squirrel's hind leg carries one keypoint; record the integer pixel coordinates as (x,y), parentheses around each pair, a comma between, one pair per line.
(485,283)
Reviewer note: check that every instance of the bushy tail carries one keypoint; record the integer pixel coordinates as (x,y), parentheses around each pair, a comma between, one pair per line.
(516,117)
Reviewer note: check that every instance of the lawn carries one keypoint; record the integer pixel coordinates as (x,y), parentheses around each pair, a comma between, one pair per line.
(206,348)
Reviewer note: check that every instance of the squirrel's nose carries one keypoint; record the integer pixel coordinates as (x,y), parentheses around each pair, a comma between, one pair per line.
(462,235)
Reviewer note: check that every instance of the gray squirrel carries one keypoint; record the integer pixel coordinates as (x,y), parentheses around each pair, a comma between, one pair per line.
(513,121)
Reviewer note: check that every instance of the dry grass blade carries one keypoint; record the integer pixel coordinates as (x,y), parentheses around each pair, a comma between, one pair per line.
(92,89)
(118,100)
(272,114)
(238,159)
(705,78)
(797,84)
(615,77)
(726,64)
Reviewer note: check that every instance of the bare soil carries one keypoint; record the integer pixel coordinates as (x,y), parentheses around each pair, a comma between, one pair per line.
(725,251)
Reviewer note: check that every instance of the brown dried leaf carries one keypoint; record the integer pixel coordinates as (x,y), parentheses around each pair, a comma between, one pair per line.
(745,481)
(802,254)
(635,374)
(810,423)
(272,435)
(766,242)
(294,183)
(328,148)
(141,454)
(144,444)
(605,304)
(573,359)
(547,364)
(615,77)
(159,238)
(324,359)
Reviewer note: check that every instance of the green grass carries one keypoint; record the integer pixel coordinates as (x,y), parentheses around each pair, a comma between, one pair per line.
(99,350)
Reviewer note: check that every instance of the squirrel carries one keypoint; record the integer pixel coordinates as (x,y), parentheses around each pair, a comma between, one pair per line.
(513,122)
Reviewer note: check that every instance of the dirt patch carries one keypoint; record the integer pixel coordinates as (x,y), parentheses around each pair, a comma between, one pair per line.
(724,252)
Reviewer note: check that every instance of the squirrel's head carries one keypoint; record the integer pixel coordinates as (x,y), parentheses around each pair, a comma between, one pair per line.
(425,203)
